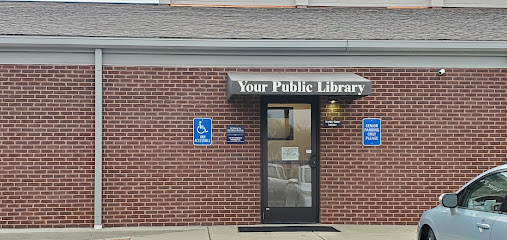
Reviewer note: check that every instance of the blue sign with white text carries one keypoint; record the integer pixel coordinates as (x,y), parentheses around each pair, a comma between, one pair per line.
(202,131)
(371,132)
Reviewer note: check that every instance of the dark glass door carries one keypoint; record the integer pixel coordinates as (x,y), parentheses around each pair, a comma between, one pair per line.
(290,159)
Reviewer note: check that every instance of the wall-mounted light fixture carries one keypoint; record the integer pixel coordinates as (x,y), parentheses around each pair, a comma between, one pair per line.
(332,113)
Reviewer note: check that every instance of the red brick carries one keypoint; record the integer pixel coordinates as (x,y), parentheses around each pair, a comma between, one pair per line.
(155,176)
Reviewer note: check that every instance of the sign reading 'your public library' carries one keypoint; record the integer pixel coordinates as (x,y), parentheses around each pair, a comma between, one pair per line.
(297,84)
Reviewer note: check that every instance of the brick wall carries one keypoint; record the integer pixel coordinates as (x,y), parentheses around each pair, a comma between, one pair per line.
(437,133)
(153,174)
(46,146)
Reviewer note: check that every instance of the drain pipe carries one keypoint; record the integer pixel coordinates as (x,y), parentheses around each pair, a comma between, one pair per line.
(97,223)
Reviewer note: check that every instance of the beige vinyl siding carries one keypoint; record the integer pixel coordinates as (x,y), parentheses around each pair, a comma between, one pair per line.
(371,3)
(348,3)
(238,2)
(476,3)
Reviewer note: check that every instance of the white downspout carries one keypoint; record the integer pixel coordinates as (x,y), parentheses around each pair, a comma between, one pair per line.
(97,224)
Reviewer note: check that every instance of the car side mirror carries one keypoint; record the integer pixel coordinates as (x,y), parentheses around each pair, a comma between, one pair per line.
(449,200)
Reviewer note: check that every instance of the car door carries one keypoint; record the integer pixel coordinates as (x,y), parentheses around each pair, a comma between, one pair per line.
(499,231)
(469,225)
(478,209)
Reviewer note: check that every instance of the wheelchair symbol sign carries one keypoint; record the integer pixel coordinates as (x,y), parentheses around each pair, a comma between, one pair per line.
(202,131)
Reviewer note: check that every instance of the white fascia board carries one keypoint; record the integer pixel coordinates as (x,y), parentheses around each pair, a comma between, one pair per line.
(436,47)
(169,44)
(252,47)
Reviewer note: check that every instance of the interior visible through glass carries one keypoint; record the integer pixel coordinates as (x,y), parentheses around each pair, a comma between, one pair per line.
(289,151)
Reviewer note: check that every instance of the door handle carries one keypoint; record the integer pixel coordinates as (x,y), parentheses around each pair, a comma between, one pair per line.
(313,161)
(483,225)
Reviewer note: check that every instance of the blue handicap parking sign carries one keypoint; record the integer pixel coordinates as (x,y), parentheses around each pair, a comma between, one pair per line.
(371,132)
(202,131)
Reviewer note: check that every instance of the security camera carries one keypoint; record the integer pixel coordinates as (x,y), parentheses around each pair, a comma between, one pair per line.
(441,72)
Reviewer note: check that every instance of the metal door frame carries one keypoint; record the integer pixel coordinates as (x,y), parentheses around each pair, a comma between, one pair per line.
(289,214)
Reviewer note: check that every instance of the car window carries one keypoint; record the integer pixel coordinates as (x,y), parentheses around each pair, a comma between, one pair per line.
(486,194)
(308,175)
(272,172)
(281,173)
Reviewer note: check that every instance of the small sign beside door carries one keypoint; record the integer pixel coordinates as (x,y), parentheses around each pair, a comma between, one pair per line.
(371,132)
(202,131)
(235,134)
(332,123)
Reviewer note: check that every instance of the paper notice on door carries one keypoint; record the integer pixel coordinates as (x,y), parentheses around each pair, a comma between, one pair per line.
(290,153)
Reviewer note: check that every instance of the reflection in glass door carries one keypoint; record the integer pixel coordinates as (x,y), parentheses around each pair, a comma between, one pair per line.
(289,162)
(289,152)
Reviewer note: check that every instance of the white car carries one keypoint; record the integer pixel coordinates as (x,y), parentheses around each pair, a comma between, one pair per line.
(305,186)
(277,186)
(477,211)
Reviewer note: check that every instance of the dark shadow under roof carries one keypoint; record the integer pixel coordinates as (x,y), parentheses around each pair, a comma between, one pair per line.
(153,21)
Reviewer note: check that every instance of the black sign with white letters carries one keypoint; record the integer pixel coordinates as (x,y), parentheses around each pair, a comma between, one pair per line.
(235,134)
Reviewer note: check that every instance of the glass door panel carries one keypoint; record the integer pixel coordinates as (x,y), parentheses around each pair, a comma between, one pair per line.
(289,151)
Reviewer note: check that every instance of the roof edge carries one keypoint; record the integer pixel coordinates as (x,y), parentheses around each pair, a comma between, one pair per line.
(256,47)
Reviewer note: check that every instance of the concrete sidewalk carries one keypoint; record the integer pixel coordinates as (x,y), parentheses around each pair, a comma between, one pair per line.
(348,232)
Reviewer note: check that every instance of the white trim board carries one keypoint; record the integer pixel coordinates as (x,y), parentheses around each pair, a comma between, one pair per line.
(253,53)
